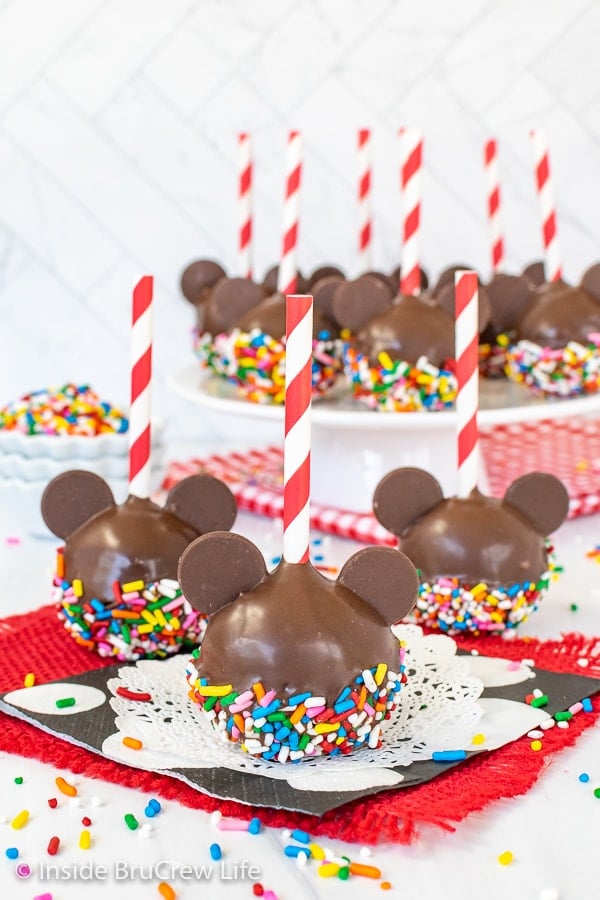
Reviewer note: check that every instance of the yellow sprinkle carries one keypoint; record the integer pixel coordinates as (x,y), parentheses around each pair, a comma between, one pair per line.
(328,870)
(85,839)
(478,739)
(325,727)
(29,680)
(145,629)
(175,623)
(536,745)
(132,586)
(148,617)
(505,858)
(479,589)
(77,587)
(217,690)
(132,743)
(160,618)
(316,851)
(380,673)
(385,360)
(20,820)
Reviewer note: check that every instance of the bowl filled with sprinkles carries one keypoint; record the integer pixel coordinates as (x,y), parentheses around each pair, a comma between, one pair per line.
(50,430)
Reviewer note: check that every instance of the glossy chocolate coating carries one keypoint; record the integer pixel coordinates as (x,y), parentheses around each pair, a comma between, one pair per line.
(509,296)
(535,273)
(198,279)
(475,539)
(324,272)
(230,299)
(137,540)
(559,314)
(590,281)
(295,631)
(412,328)
(269,317)
(446,277)
(323,292)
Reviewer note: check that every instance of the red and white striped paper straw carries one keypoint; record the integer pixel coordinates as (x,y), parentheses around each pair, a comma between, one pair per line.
(245,170)
(296,447)
(490,160)
(467,375)
(411,147)
(141,374)
(288,265)
(545,191)
(365,220)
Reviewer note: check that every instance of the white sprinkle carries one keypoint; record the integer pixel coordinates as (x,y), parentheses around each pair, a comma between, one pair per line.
(583,663)
(286,834)
(216,817)
(547,723)
(97,801)
(537,692)
(563,724)
(314,701)
(74,802)
(301,859)
(366,851)
(535,734)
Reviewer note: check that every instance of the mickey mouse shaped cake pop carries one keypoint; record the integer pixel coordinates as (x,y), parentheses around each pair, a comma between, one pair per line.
(292,664)
(116,577)
(484,563)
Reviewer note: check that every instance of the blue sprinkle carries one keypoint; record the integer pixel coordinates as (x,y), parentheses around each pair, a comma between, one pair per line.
(448,755)
(344,706)
(281,733)
(316,542)
(215,852)
(343,694)
(584,777)
(12,853)
(587,704)
(97,605)
(293,850)
(299,835)
(318,557)
(297,699)
(255,825)
(155,805)
(267,711)
(150,812)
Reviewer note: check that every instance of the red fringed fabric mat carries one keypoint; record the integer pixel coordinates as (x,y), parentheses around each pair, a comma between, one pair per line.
(36,643)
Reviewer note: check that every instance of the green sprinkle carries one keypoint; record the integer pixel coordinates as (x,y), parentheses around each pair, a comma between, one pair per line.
(131,821)
(563,716)
(126,633)
(196,653)
(573,607)
(19,779)
(229,698)
(539,701)
(304,741)
(210,702)
(344,873)
(65,701)
(597,793)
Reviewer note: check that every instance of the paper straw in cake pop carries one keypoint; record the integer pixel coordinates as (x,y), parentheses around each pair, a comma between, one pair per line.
(288,265)
(245,172)
(545,192)
(365,220)
(467,376)
(141,374)
(490,161)
(296,448)
(411,147)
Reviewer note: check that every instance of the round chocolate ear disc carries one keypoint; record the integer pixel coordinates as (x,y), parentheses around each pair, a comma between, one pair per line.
(445,297)
(231,299)
(541,498)
(200,275)
(324,272)
(447,277)
(509,297)
(591,281)
(356,302)
(216,568)
(72,499)
(384,578)
(403,495)
(535,273)
(323,291)
(203,502)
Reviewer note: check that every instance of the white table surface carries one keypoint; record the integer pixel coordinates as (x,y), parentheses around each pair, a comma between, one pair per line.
(552,831)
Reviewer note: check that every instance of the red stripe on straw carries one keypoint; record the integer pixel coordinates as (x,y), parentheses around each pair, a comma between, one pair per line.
(142,297)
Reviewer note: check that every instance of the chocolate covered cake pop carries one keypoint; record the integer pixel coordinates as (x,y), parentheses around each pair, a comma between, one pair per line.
(292,664)
(244,342)
(557,346)
(197,282)
(116,577)
(484,563)
(400,355)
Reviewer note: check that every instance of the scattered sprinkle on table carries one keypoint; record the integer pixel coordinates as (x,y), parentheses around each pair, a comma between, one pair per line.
(19,779)
(64,702)
(53,845)
(215,852)
(584,777)
(132,743)
(11,853)
(65,788)
(131,821)
(505,858)
(21,819)
(165,890)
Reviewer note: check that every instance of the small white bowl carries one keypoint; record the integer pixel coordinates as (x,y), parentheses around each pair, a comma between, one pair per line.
(20,503)
(75,446)
(44,468)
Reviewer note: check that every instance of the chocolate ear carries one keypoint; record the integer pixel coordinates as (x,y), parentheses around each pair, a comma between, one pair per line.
(541,498)
(403,495)
(203,502)
(357,302)
(535,273)
(198,278)
(445,299)
(216,568)
(510,295)
(323,291)
(229,301)
(72,499)
(590,281)
(385,578)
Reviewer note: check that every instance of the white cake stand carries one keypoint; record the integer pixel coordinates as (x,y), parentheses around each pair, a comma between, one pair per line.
(353,447)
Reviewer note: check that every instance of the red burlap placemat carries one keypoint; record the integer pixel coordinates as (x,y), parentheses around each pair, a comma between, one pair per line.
(35,642)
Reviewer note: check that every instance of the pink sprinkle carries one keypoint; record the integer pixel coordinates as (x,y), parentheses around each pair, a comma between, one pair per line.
(369,709)
(577,707)
(314,711)
(12,540)
(269,895)
(232,825)
(513,665)
(173,604)
(268,698)
(193,616)
(132,595)
(235,732)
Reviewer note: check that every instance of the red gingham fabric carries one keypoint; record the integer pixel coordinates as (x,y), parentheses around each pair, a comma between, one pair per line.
(568,448)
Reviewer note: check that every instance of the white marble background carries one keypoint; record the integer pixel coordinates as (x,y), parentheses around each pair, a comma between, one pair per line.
(118,123)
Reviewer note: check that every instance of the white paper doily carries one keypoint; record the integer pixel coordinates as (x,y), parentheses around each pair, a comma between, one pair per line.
(437,710)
